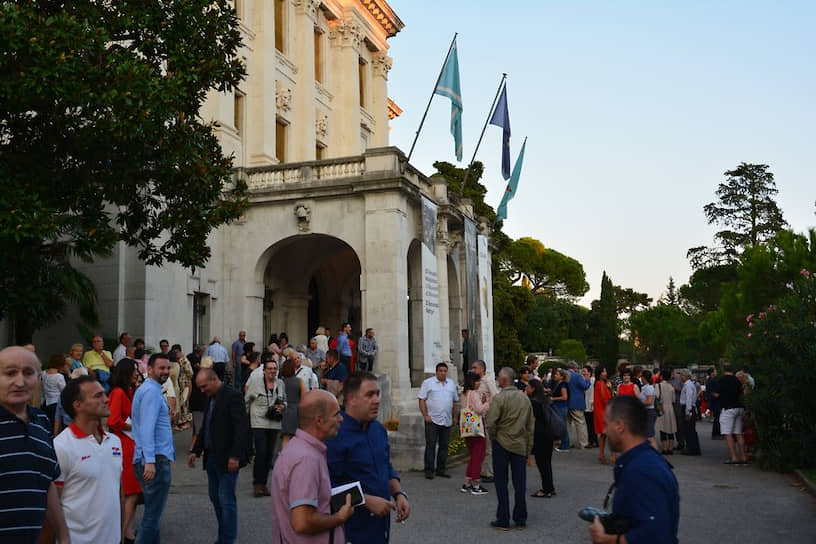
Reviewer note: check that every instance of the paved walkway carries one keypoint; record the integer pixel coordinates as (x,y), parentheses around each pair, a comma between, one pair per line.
(719,503)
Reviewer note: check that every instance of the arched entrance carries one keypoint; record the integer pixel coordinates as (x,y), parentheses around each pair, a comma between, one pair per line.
(310,280)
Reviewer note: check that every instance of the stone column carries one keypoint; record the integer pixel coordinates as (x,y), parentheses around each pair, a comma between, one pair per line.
(260,111)
(381,64)
(385,301)
(302,144)
(346,37)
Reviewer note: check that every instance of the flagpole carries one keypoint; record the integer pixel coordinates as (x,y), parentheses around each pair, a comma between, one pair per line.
(489,113)
(438,78)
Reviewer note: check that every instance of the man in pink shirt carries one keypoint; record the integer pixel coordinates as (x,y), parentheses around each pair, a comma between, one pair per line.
(300,479)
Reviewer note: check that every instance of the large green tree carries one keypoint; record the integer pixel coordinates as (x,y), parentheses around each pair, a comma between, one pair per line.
(545,271)
(746,211)
(101,141)
(607,343)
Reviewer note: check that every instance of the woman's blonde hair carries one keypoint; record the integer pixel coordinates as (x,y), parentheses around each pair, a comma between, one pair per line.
(320,330)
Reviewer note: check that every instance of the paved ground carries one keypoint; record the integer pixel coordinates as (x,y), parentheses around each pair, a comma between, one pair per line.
(718,504)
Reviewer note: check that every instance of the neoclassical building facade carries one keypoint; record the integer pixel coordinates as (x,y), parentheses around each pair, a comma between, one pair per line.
(336,229)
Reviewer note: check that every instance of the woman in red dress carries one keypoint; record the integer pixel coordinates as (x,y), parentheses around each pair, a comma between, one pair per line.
(602,394)
(628,387)
(122,382)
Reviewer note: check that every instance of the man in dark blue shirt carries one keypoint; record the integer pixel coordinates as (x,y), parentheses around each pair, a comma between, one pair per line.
(646,494)
(360,452)
(336,372)
(712,394)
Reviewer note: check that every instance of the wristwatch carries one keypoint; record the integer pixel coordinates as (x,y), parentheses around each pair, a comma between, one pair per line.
(400,492)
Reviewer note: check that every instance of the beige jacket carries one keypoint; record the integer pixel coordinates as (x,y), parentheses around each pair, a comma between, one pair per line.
(510,421)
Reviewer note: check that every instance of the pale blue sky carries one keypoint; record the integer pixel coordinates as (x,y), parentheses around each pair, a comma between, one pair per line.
(633,111)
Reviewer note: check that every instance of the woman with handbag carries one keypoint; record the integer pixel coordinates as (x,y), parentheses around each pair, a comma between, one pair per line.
(471,428)
(648,398)
(543,437)
(265,400)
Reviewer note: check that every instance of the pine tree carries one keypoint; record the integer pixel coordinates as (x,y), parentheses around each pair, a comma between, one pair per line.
(608,325)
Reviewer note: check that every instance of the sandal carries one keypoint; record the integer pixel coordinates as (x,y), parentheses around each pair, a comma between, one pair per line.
(602,460)
(539,494)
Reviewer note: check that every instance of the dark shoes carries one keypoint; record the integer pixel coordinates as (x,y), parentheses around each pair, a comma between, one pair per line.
(500,526)
(429,476)
(260,490)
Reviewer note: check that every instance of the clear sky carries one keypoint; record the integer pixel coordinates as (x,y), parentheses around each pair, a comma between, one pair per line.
(633,111)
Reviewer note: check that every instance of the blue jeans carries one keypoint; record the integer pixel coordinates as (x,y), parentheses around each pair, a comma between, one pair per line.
(221,487)
(564,411)
(155,497)
(502,459)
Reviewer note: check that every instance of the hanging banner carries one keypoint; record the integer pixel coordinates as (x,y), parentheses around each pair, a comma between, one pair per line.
(431,323)
(472,288)
(485,303)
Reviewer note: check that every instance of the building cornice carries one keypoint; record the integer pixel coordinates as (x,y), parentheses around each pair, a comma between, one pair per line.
(393,110)
(384,15)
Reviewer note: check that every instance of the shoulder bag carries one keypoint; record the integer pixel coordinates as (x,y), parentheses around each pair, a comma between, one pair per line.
(471,424)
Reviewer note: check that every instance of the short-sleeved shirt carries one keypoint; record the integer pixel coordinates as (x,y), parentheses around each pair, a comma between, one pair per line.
(301,477)
(28,465)
(361,453)
(238,349)
(90,482)
(730,392)
(94,361)
(439,398)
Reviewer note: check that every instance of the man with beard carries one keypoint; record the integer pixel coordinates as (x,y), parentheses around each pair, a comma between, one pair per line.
(646,494)
(154,450)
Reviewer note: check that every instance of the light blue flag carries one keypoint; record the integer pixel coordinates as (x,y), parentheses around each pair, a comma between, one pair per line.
(449,86)
(510,192)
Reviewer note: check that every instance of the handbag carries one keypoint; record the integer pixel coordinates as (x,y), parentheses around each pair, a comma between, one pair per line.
(556,426)
(471,424)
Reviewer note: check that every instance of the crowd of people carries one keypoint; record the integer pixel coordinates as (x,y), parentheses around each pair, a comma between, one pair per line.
(107,422)
(308,416)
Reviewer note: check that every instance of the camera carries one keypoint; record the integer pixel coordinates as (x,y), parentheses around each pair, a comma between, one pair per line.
(612,524)
(272,412)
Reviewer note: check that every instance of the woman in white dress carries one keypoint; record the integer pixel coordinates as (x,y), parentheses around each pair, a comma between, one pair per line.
(666,424)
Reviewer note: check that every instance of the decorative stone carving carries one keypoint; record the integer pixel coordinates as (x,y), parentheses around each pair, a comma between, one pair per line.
(309,7)
(321,125)
(347,33)
(283,97)
(303,215)
(382,64)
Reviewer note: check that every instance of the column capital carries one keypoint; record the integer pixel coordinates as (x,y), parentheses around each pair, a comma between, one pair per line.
(307,7)
(382,64)
(347,33)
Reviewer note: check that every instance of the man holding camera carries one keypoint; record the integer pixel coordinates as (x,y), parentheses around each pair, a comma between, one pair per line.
(224,441)
(647,498)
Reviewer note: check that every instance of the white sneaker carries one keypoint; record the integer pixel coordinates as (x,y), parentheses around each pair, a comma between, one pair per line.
(559,450)
(465,488)
(478,490)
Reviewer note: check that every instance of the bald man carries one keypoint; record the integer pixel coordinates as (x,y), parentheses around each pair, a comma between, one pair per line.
(301,512)
(28,463)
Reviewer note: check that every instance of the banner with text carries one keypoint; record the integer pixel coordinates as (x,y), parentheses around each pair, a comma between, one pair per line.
(431,324)
(472,288)
(485,302)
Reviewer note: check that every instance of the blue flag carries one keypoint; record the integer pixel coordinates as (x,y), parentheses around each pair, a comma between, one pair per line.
(510,192)
(501,118)
(449,86)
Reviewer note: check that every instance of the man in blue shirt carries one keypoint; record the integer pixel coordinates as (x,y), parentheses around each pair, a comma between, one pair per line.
(335,375)
(236,352)
(219,356)
(343,346)
(360,452)
(576,423)
(646,492)
(154,450)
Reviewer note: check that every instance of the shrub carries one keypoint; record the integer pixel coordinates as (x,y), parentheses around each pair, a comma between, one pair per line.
(572,350)
(779,348)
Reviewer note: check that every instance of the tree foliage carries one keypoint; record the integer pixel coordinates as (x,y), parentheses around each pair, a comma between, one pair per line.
(629,301)
(552,320)
(607,324)
(572,350)
(545,270)
(101,140)
(746,210)
(665,334)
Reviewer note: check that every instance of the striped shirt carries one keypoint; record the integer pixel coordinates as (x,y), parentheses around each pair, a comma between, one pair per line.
(28,466)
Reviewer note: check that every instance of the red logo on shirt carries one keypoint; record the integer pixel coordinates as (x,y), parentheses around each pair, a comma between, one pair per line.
(85,457)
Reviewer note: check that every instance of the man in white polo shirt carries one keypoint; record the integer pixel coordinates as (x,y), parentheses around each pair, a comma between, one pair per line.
(437,401)
(91,463)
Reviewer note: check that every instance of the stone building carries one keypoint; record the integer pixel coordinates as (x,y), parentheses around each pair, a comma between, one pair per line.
(335,228)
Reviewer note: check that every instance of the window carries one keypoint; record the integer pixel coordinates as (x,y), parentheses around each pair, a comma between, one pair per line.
(318,55)
(238,112)
(280,25)
(361,73)
(280,140)
(201,318)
